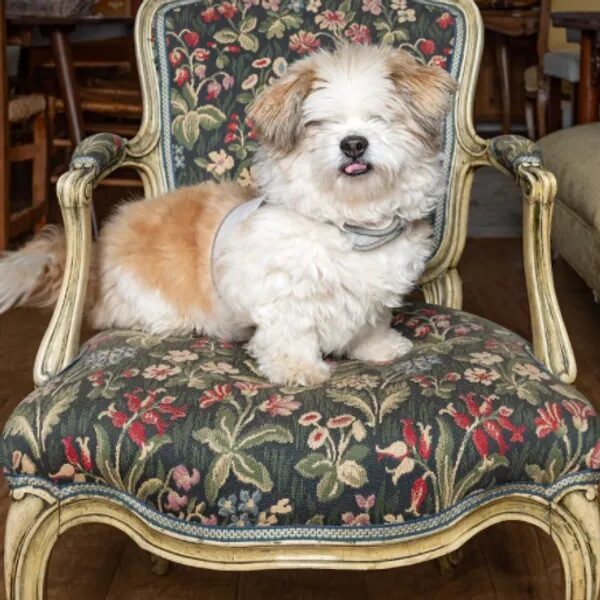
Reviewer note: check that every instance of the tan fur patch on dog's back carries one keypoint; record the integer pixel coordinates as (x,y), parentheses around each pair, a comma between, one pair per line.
(166,242)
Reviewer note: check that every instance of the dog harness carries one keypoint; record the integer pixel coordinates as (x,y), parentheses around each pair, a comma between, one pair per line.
(362,239)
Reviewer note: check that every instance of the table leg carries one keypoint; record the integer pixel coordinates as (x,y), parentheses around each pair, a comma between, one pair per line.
(61,48)
(503,70)
(589,85)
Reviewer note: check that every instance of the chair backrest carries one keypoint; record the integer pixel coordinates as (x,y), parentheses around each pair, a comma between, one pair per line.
(203,61)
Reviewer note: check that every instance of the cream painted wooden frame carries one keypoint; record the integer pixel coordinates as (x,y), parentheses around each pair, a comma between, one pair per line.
(572,519)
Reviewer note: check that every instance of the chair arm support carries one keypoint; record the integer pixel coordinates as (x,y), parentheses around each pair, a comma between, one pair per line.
(92,160)
(519,157)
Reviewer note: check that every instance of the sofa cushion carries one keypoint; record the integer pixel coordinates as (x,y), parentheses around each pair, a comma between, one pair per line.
(186,432)
(572,155)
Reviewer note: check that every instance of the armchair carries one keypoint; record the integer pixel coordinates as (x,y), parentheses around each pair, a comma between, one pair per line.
(180,444)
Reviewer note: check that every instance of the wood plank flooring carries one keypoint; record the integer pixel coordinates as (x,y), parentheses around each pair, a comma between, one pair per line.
(506,562)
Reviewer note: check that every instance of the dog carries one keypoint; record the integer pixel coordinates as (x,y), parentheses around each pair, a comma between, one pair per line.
(334,236)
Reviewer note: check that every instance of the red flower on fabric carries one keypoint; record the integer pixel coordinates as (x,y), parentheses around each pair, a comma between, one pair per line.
(182,75)
(201,54)
(176,56)
(228,10)
(145,410)
(549,420)
(82,458)
(580,413)
(359,34)
(427,46)
(409,432)
(424,448)
(304,42)
(495,432)
(418,494)
(219,393)
(592,458)
(480,441)
(210,15)
(191,38)
(445,20)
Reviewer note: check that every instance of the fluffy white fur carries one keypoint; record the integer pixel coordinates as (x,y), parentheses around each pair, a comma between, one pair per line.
(288,277)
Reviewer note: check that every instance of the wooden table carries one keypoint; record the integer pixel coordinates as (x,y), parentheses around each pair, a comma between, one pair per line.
(506,24)
(21,31)
(589,67)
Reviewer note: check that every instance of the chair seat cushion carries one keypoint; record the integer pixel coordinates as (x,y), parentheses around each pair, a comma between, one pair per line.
(572,155)
(185,431)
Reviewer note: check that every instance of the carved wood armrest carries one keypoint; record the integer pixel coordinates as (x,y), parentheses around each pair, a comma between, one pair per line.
(93,159)
(518,156)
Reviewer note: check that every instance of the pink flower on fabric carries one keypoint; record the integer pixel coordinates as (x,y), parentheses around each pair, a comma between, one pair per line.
(183,479)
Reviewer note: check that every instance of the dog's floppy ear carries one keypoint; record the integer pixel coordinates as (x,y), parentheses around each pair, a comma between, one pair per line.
(427,90)
(277,110)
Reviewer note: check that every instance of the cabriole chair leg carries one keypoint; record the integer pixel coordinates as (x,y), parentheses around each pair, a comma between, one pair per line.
(31,531)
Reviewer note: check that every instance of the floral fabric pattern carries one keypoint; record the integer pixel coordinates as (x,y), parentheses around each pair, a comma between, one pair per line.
(188,427)
(215,56)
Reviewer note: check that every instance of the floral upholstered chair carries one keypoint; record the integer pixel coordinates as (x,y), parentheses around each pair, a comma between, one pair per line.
(183,446)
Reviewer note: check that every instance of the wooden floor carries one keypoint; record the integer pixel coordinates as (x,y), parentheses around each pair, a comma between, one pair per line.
(511,561)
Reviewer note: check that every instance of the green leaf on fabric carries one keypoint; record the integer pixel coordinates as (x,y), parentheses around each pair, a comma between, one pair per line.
(248,470)
(314,465)
(225,36)
(186,129)
(248,24)
(103,457)
(249,42)
(140,459)
(149,488)
(329,487)
(18,425)
(210,117)
(264,435)
(215,439)
(216,476)
(394,400)
(178,104)
(352,474)
(357,452)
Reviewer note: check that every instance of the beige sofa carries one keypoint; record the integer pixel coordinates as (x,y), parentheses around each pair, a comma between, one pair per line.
(573,155)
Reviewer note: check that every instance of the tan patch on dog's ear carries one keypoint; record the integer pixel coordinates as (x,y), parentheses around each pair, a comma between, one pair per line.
(427,90)
(277,111)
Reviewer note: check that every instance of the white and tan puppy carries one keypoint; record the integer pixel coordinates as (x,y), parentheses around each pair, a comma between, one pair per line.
(349,152)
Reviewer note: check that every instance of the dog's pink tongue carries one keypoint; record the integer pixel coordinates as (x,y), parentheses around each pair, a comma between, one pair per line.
(355,167)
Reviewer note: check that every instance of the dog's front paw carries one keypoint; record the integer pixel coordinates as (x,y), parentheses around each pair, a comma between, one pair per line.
(295,373)
(389,346)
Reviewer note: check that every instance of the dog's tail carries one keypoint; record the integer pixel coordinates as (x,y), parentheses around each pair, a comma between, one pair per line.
(32,275)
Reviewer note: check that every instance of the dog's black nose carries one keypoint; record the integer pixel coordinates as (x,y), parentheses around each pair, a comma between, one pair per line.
(354,146)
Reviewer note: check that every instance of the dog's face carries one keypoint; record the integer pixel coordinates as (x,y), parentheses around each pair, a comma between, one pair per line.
(352,122)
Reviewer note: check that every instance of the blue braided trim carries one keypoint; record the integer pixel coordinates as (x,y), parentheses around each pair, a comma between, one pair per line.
(305,533)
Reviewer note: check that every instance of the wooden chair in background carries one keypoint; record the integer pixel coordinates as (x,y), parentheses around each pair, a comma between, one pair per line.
(556,75)
(30,110)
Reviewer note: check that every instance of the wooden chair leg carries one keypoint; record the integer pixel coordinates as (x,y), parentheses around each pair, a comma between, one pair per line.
(554,105)
(542,108)
(39,191)
(160,565)
(530,118)
(31,531)
(575,528)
